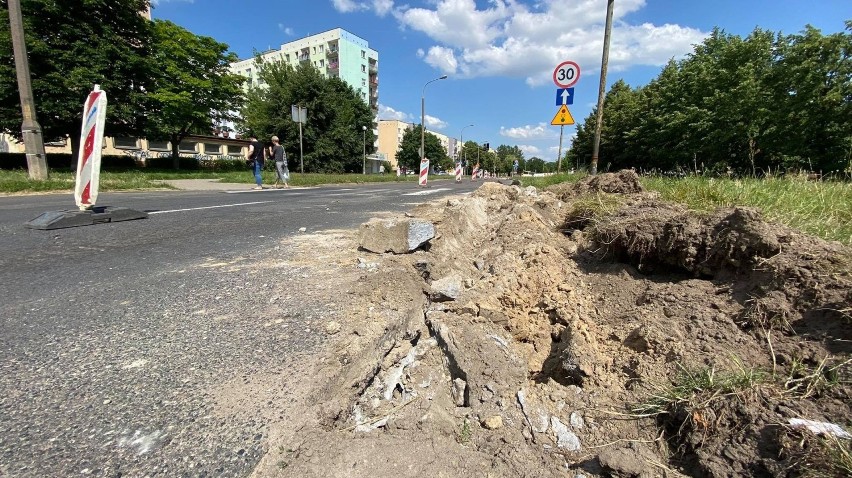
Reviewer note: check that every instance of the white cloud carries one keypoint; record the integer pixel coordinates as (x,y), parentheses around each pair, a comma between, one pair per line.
(539,131)
(516,39)
(443,59)
(530,150)
(388,113)
(382,7)
(346,6)
(434,123)
(287,30)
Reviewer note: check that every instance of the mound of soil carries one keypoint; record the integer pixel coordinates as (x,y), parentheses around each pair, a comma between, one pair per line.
(654,341)
(622,182)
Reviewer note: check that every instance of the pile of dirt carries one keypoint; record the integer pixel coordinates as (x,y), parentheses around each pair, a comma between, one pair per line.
(645,341)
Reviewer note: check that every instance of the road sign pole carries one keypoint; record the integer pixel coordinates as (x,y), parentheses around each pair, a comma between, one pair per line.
(301,152)
(559,158)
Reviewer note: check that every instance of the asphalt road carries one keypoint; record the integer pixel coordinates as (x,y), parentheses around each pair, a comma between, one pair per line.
(113,339)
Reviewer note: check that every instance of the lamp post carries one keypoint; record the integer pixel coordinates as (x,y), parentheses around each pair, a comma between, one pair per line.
(364,164)
(464,154)
(423,117)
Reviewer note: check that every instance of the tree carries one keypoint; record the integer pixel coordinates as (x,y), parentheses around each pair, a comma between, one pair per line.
(506,155)
(333,136)
(409,148)
(73,45)
(748,104)
(193,88)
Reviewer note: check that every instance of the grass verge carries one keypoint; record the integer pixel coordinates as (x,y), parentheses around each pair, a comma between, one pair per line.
(17,181)
(821,208)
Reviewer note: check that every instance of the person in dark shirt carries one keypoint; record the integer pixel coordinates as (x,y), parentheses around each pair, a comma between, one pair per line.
(255,157)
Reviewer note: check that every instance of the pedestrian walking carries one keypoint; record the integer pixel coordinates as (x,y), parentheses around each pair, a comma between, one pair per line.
(279,156)
(515,168)
(255,158)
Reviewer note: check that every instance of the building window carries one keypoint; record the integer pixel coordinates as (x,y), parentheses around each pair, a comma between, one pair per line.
(187,146)
(210,148)
(363,68)
(125,142)
(235,150)
(363,54)
(322,63)
(322,48)
(158,145)
(315,50)
(363,82)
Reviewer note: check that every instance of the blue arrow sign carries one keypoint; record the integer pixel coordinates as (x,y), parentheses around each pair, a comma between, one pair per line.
(564,96)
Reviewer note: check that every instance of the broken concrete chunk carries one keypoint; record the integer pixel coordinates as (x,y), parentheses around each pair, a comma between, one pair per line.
(564,437)
(459,387)
(399,236)
(536,418)
(576,421)
(447,288)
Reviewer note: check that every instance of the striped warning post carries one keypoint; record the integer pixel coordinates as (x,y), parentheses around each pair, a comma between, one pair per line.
(458,172)
(475,173)
(424,172)
(91,140)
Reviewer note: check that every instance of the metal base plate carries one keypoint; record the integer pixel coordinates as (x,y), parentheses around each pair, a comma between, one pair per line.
(75,218)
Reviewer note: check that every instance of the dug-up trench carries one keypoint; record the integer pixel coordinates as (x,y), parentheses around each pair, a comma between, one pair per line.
(587,330)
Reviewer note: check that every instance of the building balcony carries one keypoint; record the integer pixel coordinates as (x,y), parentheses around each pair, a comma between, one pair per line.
(304,57)
(333,66)
(373,68)
(331,52)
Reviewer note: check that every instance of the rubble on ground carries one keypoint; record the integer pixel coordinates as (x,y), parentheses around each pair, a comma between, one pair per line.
(518,347)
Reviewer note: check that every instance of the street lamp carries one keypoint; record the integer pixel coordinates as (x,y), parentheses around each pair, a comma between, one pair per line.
(364,163)
(423,117)
(464,154)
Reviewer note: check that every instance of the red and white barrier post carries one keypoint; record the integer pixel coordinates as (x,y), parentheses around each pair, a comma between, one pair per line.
(458,172)
(91,142)
(424,172)
(475,173)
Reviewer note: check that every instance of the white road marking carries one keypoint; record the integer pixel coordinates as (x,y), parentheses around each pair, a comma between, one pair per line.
(209,207)
(426,192)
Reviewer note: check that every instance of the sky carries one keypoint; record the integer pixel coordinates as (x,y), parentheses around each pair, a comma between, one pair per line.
(499,55)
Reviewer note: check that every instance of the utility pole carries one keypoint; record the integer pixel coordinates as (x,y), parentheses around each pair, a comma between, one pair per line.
(31,130)
(602,88)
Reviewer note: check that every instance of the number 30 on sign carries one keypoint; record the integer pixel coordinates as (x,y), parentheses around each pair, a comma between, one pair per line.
(566,74)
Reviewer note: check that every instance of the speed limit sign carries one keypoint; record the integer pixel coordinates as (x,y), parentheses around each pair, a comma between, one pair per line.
(566,74)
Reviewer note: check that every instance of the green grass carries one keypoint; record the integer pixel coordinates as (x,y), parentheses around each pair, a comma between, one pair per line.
(545,181)
(821,208)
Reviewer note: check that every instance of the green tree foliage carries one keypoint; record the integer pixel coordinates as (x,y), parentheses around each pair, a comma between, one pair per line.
(759,103)
(506,155)
(468,153)
(333,136)
(408,155)
(73,45)
(193,88)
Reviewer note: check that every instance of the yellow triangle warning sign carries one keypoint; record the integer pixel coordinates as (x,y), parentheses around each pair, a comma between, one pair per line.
(563,117)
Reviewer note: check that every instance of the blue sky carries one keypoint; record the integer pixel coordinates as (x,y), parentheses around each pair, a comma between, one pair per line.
(499,54)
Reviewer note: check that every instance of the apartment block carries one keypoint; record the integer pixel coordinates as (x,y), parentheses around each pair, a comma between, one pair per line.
(335,53)
(390,133)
